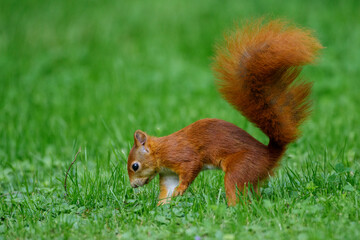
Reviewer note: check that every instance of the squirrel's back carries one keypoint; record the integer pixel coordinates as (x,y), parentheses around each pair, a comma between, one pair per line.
(257,68)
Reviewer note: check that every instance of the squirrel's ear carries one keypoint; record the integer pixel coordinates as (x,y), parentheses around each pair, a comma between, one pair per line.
(140,138)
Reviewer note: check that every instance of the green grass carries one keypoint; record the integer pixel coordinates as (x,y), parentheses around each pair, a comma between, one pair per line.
(89,73)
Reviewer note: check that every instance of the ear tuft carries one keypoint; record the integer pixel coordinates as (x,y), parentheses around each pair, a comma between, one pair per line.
(140,137)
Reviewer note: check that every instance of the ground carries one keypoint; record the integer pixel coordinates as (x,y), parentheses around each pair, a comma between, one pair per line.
(89,73)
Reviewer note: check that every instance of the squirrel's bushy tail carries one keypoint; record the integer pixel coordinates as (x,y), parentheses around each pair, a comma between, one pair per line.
(257,68)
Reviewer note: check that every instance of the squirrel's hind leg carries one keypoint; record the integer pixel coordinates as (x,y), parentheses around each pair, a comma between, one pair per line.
(235,187)
(238,176)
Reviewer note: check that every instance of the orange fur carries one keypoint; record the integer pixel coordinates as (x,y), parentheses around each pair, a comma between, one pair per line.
(257,68)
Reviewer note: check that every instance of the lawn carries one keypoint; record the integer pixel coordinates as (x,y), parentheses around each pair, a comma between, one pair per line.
(89,73)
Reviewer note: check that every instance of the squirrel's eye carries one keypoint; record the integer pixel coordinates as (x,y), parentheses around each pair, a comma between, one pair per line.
(135,166)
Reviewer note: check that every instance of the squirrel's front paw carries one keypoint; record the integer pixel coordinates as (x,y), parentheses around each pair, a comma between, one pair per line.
(163,201)
(178,191)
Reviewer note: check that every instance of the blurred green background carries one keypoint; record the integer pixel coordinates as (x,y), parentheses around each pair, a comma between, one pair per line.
(89,73)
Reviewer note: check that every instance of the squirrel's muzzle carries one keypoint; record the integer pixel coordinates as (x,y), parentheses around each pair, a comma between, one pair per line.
(139,182)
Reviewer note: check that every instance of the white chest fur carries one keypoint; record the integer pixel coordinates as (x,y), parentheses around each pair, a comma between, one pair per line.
(170,182)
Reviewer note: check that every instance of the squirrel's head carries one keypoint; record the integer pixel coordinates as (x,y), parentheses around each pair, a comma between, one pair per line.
(141,162)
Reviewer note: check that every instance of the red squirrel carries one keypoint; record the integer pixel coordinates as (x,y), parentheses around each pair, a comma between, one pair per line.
(257,68)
